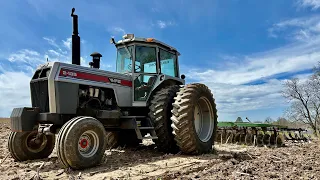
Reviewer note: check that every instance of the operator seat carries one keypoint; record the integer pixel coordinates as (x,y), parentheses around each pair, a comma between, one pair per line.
(145,89)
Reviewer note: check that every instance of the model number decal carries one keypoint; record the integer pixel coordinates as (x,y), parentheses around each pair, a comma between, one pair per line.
(69,73)
(118,81)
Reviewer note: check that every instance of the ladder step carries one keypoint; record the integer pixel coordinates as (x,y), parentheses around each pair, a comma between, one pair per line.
(145,128)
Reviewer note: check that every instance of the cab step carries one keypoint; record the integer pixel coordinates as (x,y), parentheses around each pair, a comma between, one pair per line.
(131,122)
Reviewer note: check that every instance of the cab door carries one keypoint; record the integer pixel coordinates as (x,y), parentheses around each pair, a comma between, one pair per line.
(145,73)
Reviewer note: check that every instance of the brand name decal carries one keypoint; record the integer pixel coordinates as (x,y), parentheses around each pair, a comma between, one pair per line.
(69,73)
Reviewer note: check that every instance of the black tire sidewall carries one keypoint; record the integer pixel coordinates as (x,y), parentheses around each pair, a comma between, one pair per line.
(71,152)
(203,147)
(19,150)
(165,141)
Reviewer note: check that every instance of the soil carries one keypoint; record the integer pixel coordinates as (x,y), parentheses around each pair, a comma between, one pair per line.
(296,160)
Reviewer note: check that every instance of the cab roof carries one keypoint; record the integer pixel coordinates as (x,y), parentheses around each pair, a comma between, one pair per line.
(130,38)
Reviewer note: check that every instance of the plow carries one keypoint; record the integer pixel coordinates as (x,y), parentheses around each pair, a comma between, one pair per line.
(259,134)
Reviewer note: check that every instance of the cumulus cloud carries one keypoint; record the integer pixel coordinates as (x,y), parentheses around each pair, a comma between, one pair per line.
(14,90)
(16,72)
(26,56)
(302,29)
(67,43)
(249,82)
(295,57)
(231,98)
(313,4)
(262,66)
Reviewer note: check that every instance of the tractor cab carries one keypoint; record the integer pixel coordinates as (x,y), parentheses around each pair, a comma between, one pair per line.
(145,59)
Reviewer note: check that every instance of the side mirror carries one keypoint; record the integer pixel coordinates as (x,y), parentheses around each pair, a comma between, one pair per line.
(112,41)
(183,76)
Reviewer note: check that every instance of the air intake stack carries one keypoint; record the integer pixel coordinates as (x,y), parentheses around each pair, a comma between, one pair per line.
(75,40)
(95,60)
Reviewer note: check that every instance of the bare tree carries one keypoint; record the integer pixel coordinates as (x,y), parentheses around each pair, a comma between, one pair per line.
(282,122)
(268,120)
(305,100)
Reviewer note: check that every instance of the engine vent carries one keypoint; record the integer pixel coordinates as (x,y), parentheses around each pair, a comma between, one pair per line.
(40,95)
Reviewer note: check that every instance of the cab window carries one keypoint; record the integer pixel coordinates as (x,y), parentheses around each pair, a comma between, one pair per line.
(146,60)
(168,63)
(124,62)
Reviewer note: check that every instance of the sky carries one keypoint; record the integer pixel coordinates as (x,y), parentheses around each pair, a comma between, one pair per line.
(242,50)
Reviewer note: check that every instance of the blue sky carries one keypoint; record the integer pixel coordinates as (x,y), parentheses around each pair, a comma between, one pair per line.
(243,50)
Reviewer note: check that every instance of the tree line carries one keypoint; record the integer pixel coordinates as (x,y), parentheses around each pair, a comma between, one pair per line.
(304,99)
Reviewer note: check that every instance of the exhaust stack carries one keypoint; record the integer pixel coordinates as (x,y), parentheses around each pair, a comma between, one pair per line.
(75,40)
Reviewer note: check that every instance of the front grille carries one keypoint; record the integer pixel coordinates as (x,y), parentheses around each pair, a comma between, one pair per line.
(40,95)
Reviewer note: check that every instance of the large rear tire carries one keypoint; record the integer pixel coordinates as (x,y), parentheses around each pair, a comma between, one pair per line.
(160,114)
(194,119)
(81,143)
(26,146)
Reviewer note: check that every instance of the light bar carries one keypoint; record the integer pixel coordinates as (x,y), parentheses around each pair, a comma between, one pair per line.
(128,36)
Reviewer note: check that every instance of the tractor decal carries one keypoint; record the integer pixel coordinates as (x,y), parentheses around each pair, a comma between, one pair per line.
(93,77)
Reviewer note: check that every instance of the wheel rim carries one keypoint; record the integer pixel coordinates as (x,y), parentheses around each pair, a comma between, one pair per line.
(36,144)
(203,119)
(88,143)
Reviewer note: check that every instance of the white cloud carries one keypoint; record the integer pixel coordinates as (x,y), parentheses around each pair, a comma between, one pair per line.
(230,82)
(53,52)
(26,56)
(163,24)
(14,90)
(51,41)
(263,66)
(16,72)
(117,31)
(298,56)
(232,99)
(314,4)
(302,29)
(120,30)
(67,43)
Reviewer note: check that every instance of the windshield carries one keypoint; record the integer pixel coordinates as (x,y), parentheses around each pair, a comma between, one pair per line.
(146,59)
(124,63)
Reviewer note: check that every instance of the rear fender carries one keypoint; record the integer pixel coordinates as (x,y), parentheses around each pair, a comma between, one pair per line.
(164,81)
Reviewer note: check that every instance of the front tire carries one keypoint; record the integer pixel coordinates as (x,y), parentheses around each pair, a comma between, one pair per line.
(194,119)
(26,146)
(81,143)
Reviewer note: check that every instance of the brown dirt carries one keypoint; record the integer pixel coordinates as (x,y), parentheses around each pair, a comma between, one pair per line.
(227,162)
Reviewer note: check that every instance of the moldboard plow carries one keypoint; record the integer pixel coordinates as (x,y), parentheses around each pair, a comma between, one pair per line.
(259,134)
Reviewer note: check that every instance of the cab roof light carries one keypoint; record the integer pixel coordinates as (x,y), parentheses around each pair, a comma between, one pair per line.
(149,39)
